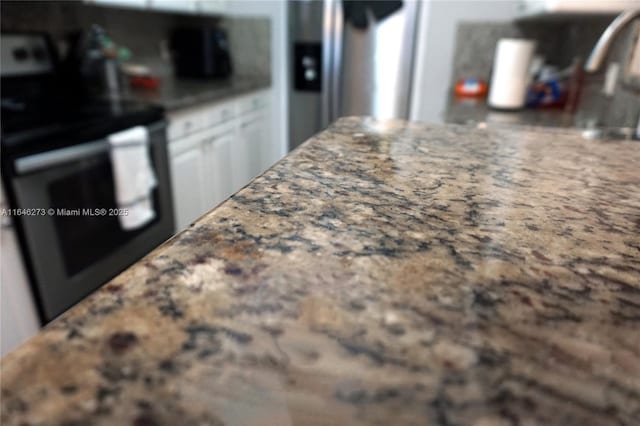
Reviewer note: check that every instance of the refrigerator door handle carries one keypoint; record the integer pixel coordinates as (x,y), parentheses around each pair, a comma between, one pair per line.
(332,34)
(327,41)
(337,66)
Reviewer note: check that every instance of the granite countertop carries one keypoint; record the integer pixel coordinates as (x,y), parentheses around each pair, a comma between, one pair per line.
(385,273)
(476,110)
(175,93)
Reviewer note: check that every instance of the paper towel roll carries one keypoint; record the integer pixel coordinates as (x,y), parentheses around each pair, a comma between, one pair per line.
(511,77)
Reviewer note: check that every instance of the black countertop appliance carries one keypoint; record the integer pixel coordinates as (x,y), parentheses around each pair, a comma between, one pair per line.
(200,52)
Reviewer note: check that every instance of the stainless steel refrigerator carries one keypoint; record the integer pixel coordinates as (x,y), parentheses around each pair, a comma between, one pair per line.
(349,58)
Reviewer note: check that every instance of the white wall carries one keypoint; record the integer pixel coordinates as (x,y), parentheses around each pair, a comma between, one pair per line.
(435,42)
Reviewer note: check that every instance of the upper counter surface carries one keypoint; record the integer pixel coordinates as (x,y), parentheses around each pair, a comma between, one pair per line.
(175,93)
(476,110)
(385,272)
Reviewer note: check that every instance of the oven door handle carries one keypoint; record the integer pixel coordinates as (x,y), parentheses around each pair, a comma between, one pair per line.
(36,162)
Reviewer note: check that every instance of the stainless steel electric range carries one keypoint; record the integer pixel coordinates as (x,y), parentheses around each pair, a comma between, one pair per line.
(55,156)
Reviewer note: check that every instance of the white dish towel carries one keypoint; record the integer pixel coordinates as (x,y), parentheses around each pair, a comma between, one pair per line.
(133,177)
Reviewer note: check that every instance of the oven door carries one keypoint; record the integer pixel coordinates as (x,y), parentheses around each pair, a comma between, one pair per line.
(70,252)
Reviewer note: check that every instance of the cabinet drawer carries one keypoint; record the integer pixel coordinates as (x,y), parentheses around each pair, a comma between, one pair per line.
(177,146)
(212,133)
(219,114)
(252,117)
(251,103)
(185,122)
(185,143)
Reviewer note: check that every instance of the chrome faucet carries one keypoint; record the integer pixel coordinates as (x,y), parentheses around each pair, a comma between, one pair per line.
(594,63)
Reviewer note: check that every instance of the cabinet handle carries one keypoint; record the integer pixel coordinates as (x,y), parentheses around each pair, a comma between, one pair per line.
(248,123)
(214,138)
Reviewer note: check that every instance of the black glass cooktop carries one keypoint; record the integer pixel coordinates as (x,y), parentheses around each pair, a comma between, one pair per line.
(30,125)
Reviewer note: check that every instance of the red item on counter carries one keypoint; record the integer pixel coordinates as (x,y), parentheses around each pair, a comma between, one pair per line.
(144,82)
(471,87)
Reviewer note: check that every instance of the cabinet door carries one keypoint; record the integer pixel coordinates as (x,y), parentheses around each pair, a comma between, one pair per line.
(218,164)
(254,109)
(269,149)
(221,177)
(240,150)
(253,133)
(188,181)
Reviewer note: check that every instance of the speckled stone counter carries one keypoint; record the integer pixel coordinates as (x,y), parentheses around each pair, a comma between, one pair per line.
(176,93)
(384,273)
(473,110)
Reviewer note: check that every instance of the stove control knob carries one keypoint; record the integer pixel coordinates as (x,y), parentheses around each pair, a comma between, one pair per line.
(20,54)
(39,53)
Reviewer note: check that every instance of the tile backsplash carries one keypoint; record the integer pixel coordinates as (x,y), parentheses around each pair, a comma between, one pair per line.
(559,41)
(250,40)
(144,32)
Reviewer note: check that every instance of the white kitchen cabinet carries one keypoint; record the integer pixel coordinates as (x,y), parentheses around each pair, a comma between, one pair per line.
(216,149)
(253,136)
(253,102)
(270,149)
(218,114)
(201,172)
(188,169)
(241,163)
(255,132)
(218,160)
(186,122)
(19,318)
